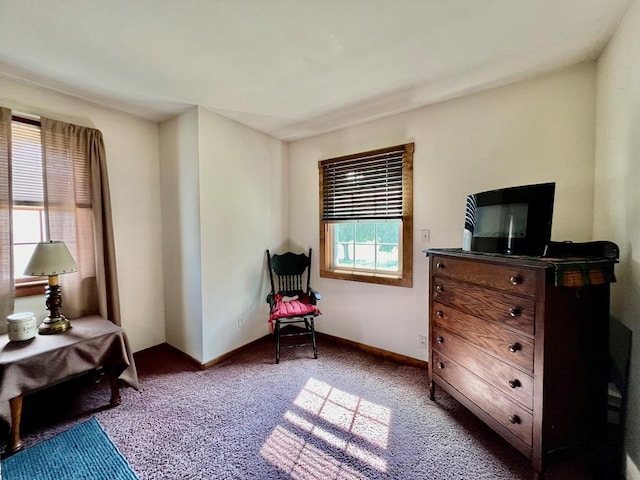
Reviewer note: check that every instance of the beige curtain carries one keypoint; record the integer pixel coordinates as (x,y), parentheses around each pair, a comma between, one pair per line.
(78,210)
(7,287)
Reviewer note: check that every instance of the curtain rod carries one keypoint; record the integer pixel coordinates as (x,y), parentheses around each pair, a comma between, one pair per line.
(26,118)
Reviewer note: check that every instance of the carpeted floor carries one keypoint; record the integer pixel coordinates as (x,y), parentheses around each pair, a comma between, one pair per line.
(347,415)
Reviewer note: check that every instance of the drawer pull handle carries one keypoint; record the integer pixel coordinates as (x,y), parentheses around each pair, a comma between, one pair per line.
(515,419)
(439,288)
(440,314)
(515,280)
(440,365)
(440,339)
(515,311)
(440,266)
(515,383)
(514,347)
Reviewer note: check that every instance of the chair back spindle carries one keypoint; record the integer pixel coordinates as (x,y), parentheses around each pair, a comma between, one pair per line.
(289,270)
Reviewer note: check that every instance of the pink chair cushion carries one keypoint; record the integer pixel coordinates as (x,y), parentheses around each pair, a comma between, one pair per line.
(293,308)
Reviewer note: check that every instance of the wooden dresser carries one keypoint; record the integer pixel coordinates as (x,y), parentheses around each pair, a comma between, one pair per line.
(522,342)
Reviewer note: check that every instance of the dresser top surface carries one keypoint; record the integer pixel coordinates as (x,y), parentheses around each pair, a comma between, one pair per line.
(564,268)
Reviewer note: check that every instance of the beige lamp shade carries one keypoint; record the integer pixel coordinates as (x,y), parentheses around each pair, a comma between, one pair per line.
(51,258)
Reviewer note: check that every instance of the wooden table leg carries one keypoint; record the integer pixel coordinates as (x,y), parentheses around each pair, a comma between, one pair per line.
(15,443)
(115,387)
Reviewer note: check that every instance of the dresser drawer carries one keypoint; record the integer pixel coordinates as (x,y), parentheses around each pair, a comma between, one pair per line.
(510,380)
(495,403)
(510,346)
(508,278)
(509,310)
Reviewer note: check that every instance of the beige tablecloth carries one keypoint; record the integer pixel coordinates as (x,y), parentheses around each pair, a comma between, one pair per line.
(47,359)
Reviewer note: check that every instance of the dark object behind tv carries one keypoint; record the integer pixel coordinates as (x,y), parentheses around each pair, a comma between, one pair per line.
(599,248)
(511,221)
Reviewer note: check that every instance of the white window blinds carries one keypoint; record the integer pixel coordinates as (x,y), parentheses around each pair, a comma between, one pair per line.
(26,172)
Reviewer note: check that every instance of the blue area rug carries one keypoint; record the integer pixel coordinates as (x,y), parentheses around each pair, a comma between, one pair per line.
(82,452)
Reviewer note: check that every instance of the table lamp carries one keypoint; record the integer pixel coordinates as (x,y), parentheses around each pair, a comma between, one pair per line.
(52,259)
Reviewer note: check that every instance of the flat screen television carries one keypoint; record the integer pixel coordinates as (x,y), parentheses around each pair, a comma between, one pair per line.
(510,221)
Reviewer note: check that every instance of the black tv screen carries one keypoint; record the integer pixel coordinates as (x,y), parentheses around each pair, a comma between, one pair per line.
(511,221)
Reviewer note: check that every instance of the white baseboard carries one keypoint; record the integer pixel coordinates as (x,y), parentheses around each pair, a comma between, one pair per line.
(631,470)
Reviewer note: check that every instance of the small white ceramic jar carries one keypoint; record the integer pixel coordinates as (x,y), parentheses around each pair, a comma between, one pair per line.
(21,326)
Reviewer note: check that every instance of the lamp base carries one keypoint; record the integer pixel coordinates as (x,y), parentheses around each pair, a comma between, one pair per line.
(51,326)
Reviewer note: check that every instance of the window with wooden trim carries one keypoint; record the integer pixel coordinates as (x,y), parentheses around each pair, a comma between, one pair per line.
(366,216)
(29,223)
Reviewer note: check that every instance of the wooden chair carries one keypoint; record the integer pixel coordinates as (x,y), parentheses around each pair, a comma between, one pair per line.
(291,299)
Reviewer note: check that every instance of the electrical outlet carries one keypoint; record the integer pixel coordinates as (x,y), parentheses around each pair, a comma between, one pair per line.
(422,342)
(425,235)
(240,321)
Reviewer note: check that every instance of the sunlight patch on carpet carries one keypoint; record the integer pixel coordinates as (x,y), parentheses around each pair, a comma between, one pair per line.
(341,421)
(303,461)
(328,437)
(346,411)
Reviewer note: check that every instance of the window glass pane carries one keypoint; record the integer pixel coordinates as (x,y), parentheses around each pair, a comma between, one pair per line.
(343,246)
(388,241)
(367,245)
(365,256)
(365,232)
(21,256)
(388,232)
(387,257)
(26,226)
(345,232)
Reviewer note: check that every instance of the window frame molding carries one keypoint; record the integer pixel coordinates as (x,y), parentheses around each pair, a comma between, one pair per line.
(406,255)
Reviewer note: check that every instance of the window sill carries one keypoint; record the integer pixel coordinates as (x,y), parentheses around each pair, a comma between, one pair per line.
(29,289)
(377,278)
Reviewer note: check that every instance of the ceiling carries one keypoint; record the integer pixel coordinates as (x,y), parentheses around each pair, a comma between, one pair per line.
(293,68)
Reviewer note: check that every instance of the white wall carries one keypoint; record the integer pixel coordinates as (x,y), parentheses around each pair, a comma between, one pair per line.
(224,200)
(617,194)
(535,131)
(243,211)
(179,153)
(132,161)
